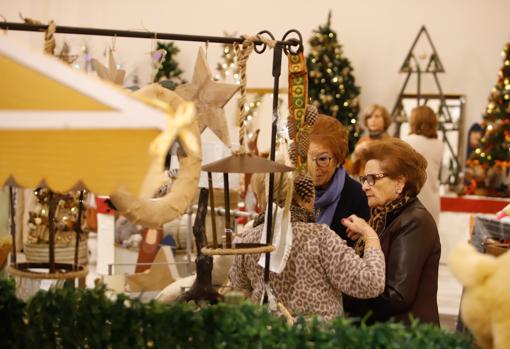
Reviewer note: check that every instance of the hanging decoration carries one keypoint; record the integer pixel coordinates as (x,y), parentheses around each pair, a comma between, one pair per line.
(113,73)
(301,119)
(209,97)
(165,66)
(146,210)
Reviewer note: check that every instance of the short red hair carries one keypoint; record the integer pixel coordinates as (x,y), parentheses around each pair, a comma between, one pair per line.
(330,132)
(398,159)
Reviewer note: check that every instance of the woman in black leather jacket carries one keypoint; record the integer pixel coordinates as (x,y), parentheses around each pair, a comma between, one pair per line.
(394,175)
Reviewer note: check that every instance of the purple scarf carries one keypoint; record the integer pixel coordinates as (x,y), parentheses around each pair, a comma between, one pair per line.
(326,200)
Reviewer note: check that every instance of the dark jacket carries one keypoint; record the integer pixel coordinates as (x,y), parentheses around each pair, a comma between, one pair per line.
(352,200)
(411,247)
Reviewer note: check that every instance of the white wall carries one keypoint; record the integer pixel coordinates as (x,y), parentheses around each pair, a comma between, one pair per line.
(376,34)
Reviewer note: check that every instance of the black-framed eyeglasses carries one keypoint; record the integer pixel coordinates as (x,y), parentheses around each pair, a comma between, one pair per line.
(371,178)
(322,160)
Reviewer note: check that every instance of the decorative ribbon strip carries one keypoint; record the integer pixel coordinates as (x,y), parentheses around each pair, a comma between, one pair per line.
(298,95)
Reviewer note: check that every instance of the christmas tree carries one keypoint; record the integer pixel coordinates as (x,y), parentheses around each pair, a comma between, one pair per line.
(228,66)
(168,73)
(331,85)
(493,152)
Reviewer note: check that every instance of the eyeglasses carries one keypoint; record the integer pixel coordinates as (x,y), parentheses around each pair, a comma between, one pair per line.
(322,160)
(371,178)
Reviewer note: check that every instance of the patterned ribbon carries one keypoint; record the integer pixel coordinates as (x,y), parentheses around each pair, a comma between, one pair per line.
(298,95)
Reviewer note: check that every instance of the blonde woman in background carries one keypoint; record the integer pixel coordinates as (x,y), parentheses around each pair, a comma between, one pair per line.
(376,120)
(423,138)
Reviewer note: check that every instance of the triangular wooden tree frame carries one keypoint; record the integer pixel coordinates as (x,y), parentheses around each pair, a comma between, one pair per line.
(434,64)
(433,67)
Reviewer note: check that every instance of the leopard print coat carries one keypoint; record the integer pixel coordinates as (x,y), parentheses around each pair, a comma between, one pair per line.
(320,268)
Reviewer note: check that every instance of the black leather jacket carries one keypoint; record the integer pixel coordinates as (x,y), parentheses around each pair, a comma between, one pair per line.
(411,247)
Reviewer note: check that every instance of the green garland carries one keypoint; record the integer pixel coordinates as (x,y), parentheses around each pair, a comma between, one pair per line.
(87,318)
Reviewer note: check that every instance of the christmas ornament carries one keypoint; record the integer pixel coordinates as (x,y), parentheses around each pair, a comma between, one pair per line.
(304,186)
(165,66)
(112,73)
(151,212)
(300,122)
(209,97)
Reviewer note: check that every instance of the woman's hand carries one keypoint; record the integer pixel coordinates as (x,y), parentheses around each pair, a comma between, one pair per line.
(358,227)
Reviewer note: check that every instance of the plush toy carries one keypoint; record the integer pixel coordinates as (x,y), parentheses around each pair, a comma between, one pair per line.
(485,307)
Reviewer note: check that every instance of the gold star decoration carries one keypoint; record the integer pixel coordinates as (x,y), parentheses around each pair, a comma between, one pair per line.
(112,73)
(209,97)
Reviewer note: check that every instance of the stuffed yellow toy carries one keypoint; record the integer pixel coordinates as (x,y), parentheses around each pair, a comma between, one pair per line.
(485,307)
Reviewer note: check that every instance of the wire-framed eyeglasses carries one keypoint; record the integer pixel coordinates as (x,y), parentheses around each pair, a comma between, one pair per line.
(371,178)
(322,160)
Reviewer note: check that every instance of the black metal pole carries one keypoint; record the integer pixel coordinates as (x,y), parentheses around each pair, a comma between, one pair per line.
(213,213)
(131,34)
(12,199)
(78,230)
(53,202)
(228,229)
(418,87)
(277,67)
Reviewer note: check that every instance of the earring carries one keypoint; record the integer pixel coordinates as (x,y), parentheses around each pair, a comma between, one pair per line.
(398,190)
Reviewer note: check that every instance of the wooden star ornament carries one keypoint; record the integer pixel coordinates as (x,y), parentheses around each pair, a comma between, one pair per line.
(209,97)
(112,73)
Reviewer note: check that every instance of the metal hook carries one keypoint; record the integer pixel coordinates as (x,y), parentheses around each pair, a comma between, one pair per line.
(263,48)
(293,42)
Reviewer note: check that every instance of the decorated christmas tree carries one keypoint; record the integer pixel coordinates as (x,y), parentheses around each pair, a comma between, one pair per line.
(331,85)
(493,153)
(168,73)
(228,66)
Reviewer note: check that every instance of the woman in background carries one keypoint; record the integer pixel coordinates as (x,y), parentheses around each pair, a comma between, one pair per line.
(376,120)
(423,138)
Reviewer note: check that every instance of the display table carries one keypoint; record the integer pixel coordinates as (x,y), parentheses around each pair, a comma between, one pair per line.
(473,204)
(456,218)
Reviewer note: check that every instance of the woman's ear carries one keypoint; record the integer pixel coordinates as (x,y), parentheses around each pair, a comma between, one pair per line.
(401,183)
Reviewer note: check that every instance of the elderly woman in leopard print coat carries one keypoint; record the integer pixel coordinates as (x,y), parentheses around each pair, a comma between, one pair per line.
(320,266)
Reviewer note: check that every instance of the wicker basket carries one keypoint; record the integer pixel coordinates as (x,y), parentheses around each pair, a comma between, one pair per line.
(495,248)
(64,253)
